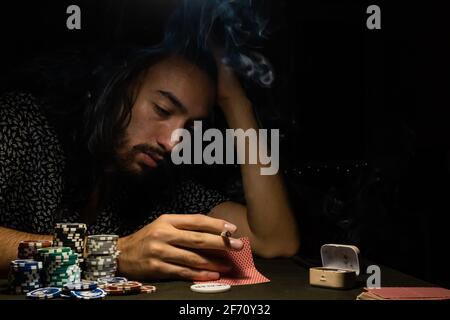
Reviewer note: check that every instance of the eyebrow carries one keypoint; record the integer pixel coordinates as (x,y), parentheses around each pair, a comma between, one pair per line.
(173,99)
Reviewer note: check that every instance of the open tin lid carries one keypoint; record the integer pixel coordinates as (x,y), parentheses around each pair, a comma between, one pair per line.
(339,256)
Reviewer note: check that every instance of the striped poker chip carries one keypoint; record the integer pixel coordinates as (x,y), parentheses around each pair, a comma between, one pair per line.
(92,241)
(103,268)
(108,250)
(81,285)
(111,248)
(103,237)
(61,256)
(60,264)
(112,280)
(63,243)
(97,293)
(99,252)
(101,242)
(126,287)
(101,262)
(97,273)
(67,270)
(70,237)
(94,277)
(148,289)
(35,243)
(49,250)
(123,288)
(26,264)
(62,274)
(65,275)
(56,265)
(106,268)
(44,293)
(103,258)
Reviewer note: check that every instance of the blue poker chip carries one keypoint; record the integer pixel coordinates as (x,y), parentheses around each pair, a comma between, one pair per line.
(45,293)
(26,264)
(89,294)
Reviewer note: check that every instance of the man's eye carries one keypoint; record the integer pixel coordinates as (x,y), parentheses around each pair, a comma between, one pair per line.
(161,111)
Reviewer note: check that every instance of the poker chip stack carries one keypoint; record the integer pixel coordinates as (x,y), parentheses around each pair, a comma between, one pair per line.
(25,275)
(102,253)
(70,235)
(60,266)
(28,248)
(124,288)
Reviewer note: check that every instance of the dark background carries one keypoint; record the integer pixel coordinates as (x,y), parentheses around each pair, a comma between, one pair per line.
(362,113)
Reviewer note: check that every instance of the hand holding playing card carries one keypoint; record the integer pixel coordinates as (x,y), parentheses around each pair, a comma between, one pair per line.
(243,268)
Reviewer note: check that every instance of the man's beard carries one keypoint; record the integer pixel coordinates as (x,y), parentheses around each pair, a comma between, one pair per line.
(123,165)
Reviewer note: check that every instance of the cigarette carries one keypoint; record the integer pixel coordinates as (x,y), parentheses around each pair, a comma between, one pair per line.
(226,237)
(226,234)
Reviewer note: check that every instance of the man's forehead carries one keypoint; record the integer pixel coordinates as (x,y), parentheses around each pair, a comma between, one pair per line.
(182,83)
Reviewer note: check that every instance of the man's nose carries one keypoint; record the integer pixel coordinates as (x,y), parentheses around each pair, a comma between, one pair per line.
(169,139)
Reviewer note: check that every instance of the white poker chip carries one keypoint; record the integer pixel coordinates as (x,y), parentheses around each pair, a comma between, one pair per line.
(210,287)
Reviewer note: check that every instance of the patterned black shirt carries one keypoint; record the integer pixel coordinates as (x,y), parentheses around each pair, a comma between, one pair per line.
(32,186)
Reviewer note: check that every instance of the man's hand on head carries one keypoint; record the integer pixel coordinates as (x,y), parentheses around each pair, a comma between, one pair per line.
(170,246)
(231,95)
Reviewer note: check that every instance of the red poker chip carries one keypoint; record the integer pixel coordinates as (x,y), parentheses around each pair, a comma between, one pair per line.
(35,243)
(127,284)
(128,287)
(148,289)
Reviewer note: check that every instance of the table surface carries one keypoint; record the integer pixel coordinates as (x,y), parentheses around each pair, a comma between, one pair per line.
(289,281)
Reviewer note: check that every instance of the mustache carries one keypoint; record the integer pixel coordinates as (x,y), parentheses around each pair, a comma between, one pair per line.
(148,149)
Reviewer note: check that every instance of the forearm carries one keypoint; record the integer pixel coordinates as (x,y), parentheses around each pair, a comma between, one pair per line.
(9,242)
(269,214)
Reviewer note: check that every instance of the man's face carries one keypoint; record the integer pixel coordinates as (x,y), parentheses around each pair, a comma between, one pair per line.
(172,95)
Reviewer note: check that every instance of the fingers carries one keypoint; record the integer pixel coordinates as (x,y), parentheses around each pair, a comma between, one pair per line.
(200,222)
(201,240)
(191,259)
(181,272)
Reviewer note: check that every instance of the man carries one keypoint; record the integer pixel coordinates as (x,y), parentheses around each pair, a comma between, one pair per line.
(168,91)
